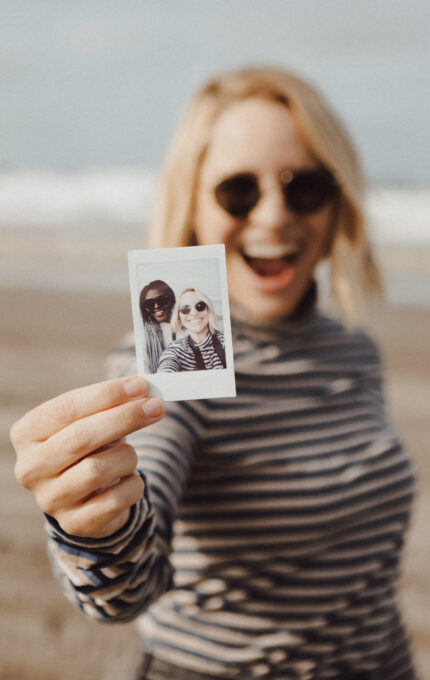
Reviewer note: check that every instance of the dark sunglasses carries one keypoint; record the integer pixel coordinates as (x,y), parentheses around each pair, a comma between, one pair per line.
(305,191)
(162,301)
(200,306)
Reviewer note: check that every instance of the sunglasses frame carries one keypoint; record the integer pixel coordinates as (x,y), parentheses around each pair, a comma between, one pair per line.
(189,307)
(150,303)
(288,180)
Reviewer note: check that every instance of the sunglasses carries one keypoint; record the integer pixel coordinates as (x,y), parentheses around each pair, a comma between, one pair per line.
(200,306)
(304,191)
(162,301)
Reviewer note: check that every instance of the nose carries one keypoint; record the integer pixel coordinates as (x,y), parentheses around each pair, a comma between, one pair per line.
(272,212)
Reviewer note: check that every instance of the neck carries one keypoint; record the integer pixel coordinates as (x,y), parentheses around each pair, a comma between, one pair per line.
(304,309)
(199,337)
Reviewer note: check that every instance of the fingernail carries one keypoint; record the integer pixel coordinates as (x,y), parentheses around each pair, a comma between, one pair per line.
(135,387)
(153,408)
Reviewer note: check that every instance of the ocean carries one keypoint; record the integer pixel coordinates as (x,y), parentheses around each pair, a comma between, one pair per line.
(71,229)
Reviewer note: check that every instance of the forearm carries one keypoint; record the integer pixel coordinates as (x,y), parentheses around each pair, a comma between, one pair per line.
(113,578)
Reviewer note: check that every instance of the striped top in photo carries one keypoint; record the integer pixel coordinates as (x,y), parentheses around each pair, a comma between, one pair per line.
(181,354)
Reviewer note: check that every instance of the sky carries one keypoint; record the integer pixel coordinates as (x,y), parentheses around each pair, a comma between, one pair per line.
(102,83)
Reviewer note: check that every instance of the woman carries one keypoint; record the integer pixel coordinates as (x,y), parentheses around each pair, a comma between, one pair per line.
(203,346)
(156,303)
(260,536)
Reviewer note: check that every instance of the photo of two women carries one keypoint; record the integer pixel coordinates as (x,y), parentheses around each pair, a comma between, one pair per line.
(181,333)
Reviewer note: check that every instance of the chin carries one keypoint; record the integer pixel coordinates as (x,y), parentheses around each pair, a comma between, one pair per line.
(265,312)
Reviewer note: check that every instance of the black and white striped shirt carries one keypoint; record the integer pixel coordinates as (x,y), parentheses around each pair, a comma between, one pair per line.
(179,355)
(267,543)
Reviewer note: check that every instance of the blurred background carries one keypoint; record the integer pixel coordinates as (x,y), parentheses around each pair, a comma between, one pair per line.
(91,93)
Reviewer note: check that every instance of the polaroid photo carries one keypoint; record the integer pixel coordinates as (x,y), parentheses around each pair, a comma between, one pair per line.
(181,319)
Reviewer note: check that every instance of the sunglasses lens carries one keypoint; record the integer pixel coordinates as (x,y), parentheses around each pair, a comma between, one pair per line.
(200,306)
(238,195)
(309,191)
(161,301)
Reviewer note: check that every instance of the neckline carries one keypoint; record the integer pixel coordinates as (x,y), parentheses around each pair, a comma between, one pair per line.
(304,312)
(200,344)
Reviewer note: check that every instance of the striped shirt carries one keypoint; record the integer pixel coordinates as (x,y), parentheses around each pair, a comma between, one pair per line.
(267,542)
(179,355)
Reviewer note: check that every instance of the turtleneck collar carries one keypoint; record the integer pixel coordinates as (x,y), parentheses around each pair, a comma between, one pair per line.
(304,312)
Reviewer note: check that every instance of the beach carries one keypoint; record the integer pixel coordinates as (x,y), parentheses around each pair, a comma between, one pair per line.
(56,338)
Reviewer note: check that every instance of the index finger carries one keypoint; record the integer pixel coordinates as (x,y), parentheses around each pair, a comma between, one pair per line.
(52,416)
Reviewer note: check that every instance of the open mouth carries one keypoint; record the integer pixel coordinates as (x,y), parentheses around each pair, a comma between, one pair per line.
(273,261)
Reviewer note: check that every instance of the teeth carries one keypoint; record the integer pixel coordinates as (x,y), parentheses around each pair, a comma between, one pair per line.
(271,251)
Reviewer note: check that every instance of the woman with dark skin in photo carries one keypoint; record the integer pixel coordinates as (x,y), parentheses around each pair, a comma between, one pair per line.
(258,536)
(156,303)
(202,348)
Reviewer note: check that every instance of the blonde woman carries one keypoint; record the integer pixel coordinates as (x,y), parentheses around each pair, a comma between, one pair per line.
(202,347)
(256,537)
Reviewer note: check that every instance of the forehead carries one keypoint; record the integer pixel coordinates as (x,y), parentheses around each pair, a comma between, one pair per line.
(189,297)
(255,135)
(153,293)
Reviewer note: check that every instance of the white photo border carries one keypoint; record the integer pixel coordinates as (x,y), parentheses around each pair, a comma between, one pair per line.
(187,385)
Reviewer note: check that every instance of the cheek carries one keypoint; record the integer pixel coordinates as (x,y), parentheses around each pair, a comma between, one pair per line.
(213,225)
(321,227)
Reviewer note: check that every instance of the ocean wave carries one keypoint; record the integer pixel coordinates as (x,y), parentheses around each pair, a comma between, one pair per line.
(121,198)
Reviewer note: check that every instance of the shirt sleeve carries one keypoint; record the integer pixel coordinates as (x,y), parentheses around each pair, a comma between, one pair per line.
(118,577)
(169,360)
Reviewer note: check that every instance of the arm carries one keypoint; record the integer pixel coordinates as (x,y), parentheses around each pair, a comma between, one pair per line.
(71,454)
(169,360)
(117,577)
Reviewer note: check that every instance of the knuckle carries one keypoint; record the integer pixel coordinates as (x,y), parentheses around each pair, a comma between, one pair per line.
(134,490)
(94,470)
(138,488)
(75,438)
(110,391)
(64,409)
(129,417)
(23,474)
(120,499)
(15,432)
(48,503)
(129,452)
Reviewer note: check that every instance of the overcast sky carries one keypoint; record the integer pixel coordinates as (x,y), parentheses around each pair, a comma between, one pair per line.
(103,82)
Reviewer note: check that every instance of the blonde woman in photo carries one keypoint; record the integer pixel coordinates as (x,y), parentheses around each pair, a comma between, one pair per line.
(261,536)
(202,347)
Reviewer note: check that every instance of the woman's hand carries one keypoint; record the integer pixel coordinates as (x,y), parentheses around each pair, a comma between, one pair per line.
(70,454)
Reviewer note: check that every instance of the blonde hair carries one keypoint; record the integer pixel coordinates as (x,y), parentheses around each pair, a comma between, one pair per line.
(176,322)
(353,271)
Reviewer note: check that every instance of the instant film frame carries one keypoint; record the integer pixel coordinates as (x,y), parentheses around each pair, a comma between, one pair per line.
(201,267)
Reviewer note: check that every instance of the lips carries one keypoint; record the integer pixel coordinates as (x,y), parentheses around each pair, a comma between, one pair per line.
(272,266)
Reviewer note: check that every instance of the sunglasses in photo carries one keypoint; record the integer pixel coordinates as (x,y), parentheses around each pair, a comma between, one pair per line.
(304,191)
(162,301)
(200,306)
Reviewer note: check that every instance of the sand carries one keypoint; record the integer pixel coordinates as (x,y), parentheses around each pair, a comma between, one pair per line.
(54,341)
